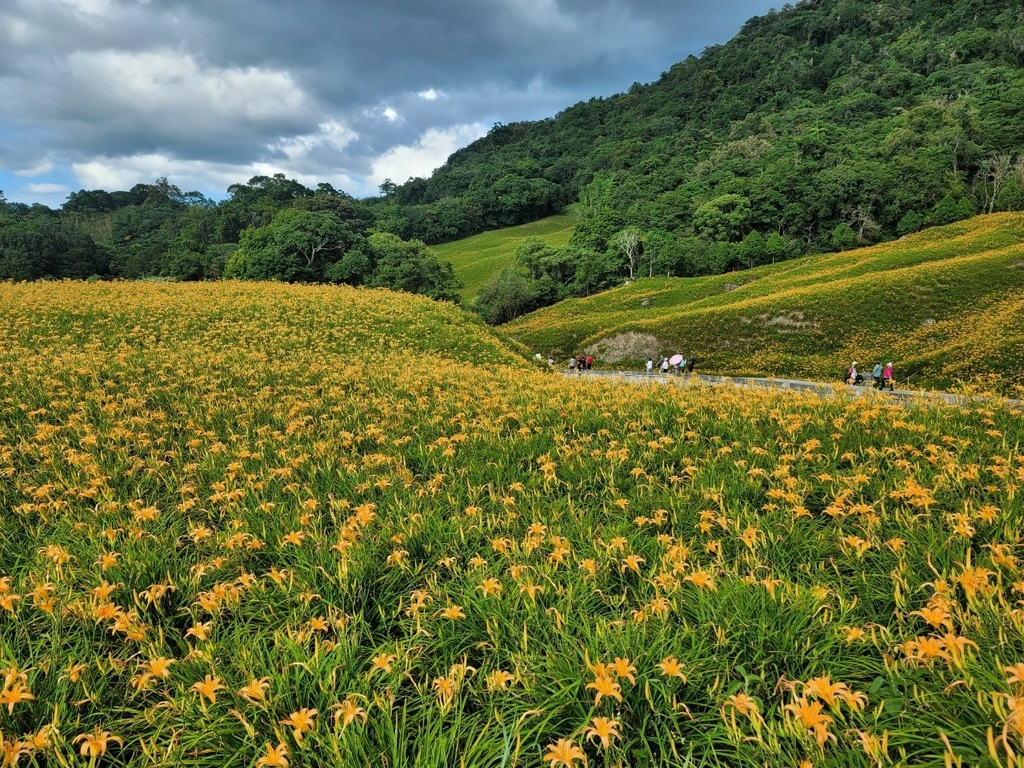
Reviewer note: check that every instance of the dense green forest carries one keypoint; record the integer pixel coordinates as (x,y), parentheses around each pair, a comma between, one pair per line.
(819,127)
(271,228)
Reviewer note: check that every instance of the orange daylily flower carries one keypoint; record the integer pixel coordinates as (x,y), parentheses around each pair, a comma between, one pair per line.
(564,753)
(255,691)
(347,712)
(605,686)
(670,667)
(831,693)
(95,744)
(810,717)
(14,693)
(743,704)
(208,688)
(1016,673)
(383,662)
(702,579)
(200,631)
(301,721)
(624,669)
(453,613)
(276,757)
(603,729)
(499,679)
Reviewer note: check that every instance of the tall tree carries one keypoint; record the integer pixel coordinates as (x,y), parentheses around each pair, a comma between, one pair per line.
(296,246)
(629,242)
(411,267)
(506,296)
(724,218)
(992,175)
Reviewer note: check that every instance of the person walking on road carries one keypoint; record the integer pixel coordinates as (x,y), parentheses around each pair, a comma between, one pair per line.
(650,365)
(887,377)
(664,366)
(876,376)
(852,377)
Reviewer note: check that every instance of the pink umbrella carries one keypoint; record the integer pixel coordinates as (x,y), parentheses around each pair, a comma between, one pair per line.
(675,360)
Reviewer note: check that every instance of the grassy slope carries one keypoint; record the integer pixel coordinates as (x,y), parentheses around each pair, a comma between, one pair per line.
(943,304)
(373,326)
(479,257)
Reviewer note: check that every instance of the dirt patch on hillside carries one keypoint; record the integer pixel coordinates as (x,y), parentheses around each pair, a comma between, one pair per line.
(785,322)
(625,346)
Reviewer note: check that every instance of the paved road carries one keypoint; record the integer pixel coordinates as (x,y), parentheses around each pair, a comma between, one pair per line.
(793,384)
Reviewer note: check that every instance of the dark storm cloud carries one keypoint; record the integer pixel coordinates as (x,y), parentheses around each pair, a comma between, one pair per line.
(341,91)
(358,50)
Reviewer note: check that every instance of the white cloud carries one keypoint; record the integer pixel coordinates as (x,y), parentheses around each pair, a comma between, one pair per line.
(44,165)
(90,7)
(429,95)
(430,152)
(390,114)
(167,85)
(48,189)
(332,135)
(210,178)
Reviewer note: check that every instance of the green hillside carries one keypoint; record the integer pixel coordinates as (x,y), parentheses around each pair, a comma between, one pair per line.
(946,305)
(476,259)
(824,122)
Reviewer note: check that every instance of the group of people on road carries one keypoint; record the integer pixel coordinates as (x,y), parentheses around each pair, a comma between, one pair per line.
(881,378)
(677,364)
(581,363)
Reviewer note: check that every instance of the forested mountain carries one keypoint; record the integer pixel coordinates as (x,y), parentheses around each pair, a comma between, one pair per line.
(828,123)
(820,126)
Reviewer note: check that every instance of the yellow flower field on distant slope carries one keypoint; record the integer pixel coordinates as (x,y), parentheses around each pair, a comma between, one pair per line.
(943,305)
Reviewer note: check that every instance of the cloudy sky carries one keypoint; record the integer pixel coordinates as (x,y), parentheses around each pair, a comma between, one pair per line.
(105,94)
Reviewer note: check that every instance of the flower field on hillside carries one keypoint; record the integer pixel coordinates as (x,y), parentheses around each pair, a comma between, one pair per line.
(945,305)
(268,525)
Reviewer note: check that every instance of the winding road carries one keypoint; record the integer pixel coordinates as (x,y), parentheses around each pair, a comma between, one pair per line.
(820,388)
